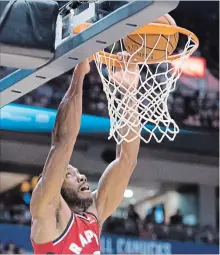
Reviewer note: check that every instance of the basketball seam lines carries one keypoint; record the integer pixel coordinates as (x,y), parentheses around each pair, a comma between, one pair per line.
(174,34)
(144,45)
(161,36)
(171,24)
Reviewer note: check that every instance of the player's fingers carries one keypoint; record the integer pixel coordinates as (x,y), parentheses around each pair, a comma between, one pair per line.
(129,63)
(120,56)
(91,58)
(119,65)
(126,55)
(123,56)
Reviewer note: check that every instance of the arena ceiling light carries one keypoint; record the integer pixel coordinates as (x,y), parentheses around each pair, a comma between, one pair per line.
(128,193)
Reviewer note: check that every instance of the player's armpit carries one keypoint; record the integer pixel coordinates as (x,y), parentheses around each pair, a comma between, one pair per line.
(112,186)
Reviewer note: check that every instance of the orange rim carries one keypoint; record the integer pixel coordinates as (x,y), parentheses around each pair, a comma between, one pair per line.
(152,28)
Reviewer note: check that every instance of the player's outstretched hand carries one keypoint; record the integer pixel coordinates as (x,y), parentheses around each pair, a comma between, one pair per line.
(127,74)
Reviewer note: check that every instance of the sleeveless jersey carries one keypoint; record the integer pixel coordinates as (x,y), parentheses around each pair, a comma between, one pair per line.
(81,236)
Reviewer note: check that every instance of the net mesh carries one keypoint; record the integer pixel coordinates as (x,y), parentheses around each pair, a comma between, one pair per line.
(156,82)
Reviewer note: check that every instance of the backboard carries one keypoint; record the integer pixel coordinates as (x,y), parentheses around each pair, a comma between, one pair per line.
(111,21)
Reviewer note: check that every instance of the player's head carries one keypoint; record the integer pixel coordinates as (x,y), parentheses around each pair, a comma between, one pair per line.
(75,190)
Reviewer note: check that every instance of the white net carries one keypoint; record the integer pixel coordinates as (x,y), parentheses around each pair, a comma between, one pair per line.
(156,81)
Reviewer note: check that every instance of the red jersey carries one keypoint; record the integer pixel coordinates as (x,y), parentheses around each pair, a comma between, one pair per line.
(81,236)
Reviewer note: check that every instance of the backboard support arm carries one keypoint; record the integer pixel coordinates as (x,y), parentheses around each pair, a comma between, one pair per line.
(78,47)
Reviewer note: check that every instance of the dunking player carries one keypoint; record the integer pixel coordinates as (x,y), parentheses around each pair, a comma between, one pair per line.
(66,216)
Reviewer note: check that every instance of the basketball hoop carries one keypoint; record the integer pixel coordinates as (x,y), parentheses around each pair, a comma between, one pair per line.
(157,78)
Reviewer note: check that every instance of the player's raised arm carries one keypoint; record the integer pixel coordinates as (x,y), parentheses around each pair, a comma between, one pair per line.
(115,179)
(46,196)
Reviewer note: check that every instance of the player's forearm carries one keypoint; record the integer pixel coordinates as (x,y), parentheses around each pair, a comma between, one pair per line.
(130,150)
(109,195)
(69,113)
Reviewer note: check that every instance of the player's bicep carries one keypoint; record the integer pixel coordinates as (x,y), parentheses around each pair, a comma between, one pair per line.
(47,192)
(112,186)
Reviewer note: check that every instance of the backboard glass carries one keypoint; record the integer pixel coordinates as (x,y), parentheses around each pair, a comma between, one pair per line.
(112,20)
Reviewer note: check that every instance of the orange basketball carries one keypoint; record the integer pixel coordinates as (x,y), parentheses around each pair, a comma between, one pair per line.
(134,42)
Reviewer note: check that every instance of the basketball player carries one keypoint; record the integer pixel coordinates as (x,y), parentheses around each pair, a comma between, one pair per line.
(66,216)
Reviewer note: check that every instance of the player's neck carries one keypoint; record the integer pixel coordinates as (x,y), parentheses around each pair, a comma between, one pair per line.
(76,209)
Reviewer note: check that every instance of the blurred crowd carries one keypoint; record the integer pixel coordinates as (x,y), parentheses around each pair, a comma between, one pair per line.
(193,109)
(51,94)
(10,248)
(130,225)
(15,214)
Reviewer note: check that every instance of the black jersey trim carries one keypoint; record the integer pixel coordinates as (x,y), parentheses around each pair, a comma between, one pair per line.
(84,215)
(66,229)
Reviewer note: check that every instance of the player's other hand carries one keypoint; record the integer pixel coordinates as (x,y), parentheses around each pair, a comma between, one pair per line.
(84,66)
(127,74)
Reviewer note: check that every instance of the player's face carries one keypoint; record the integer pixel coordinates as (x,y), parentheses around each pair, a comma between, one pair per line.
(75,189)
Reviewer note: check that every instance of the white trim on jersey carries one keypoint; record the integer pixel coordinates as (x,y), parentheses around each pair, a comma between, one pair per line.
(81,216)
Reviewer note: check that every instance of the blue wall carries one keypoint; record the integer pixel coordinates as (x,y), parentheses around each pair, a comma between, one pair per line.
(35,119)
(24,118)
(115,244)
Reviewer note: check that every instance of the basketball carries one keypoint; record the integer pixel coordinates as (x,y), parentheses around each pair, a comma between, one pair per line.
(90,90)
(154,53)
